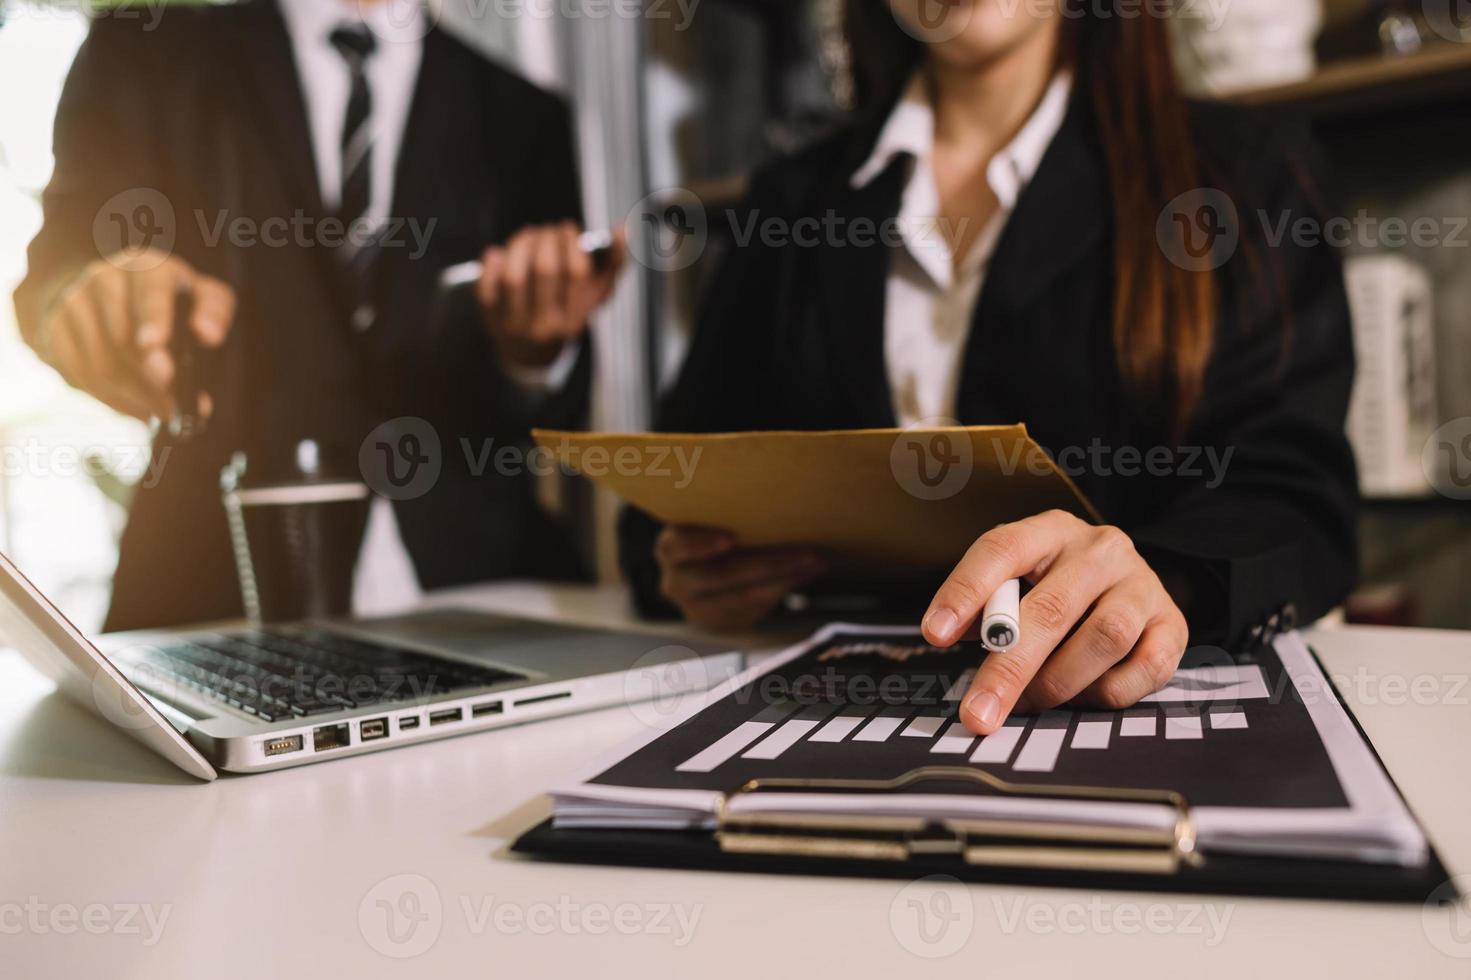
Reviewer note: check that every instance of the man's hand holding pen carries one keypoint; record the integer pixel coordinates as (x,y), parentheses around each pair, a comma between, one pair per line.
(537,290)
(110,331)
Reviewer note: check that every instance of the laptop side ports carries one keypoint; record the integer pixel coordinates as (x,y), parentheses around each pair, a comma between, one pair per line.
(282,745)
(373,729)
(448,714)
(330,737)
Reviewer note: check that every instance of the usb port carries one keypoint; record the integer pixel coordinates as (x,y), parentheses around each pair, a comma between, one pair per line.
(330,737)
(448,714)
(407,722)
(486,708)
(373,728)
(280,746)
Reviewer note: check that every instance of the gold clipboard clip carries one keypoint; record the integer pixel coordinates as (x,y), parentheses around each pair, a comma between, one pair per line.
(978,841)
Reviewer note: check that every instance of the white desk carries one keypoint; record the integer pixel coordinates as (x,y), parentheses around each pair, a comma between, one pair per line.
(266,876)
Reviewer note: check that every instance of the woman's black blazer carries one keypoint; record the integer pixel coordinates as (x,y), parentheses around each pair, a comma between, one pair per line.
(790,336)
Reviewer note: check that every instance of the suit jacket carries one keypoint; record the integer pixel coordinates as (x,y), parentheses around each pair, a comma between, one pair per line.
(792,338)
(205,113)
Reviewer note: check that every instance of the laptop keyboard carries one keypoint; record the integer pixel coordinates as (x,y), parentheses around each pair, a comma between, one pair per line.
(279,673)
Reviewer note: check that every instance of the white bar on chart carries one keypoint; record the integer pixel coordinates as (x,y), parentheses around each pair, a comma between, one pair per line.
(957,739)
(879,729)
(925,726)
(838,729)
(1092,734)
(1227,682)
(1134,725)
(1182,726)
(1228,719)
(773,745)
(957,690)
(998,746)
(725,747)
(1039,752)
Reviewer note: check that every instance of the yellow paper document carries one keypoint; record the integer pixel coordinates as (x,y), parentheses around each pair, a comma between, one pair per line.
(881,497)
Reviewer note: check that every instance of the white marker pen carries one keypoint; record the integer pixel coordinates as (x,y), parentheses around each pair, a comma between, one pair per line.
(1001,620)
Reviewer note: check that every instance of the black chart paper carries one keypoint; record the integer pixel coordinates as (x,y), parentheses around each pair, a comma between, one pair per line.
(1255,751)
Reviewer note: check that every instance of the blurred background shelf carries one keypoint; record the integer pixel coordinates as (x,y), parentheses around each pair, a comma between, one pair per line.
(1364,85)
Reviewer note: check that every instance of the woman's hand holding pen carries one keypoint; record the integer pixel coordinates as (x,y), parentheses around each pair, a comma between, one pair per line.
(1097,626)
(722,587)
(537,290)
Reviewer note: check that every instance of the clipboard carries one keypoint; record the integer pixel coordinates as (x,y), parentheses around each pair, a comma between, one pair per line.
(874,499)
(985,851)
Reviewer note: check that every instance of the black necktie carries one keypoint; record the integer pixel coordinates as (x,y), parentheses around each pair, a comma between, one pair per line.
(355,43)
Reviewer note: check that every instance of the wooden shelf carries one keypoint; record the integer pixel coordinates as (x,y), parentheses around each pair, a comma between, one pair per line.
(1359,85)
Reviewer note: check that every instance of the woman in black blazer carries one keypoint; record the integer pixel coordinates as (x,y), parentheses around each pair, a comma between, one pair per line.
(1113,314)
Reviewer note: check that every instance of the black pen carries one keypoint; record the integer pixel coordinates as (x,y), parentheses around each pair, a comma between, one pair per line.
(184,348)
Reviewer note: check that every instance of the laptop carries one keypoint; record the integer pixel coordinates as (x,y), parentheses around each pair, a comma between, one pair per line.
(252,699)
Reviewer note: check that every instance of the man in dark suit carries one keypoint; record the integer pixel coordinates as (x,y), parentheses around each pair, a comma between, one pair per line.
(308,171)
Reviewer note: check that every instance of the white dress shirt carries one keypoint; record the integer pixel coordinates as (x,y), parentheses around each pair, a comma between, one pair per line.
(384,579)
(929,303)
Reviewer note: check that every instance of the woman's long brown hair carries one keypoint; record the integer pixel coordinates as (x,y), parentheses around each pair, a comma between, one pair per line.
(1163,315)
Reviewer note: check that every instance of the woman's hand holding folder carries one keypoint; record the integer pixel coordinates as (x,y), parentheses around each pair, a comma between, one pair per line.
(721,587)
(1097,626)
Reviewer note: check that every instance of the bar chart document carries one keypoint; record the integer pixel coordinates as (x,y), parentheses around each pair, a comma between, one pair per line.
(1258,744)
